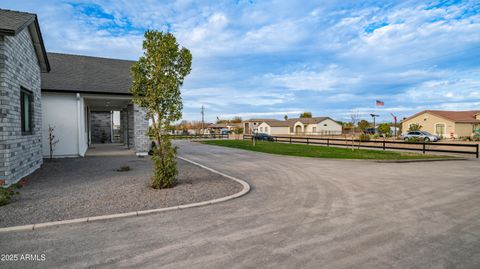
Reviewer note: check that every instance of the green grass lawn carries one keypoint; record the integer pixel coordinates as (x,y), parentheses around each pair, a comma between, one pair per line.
(319,151)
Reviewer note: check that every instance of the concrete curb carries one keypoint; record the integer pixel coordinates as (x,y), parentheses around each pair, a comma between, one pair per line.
(31,227)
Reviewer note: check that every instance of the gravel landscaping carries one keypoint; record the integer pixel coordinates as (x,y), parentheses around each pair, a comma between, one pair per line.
(82,187)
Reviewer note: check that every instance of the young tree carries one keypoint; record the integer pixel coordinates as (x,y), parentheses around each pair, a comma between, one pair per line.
(285,117)
(363,124)
(306,115)
(157,78)
(415,127)
(51,140)
(236,119)
(384,128)
(353,120)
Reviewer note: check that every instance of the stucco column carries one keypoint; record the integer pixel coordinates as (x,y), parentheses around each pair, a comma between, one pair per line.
(141,140)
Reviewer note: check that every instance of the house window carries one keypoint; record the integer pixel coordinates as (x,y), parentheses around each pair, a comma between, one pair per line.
(266,129)
(26,111)
(261,129)
(314,129)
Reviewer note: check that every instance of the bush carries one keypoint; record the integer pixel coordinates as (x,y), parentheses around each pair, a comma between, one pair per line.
(364,137)
(415,140)
(376,136)
(6,194)
(384,128)
(415,127)
(239,131)
(124,168)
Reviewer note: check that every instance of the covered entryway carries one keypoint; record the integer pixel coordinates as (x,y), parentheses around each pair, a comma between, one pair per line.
(114,119)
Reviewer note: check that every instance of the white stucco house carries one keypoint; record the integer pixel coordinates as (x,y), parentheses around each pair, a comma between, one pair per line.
(301,126)
(77,95)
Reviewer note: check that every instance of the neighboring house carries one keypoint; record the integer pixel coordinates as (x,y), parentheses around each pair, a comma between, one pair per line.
(75,94)
(448,124)
(250,125)
(223,127)
(301,126)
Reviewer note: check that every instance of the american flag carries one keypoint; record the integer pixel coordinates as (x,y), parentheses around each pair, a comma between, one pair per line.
(379,103)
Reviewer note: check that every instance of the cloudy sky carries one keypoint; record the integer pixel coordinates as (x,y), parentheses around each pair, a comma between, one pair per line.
(271,58)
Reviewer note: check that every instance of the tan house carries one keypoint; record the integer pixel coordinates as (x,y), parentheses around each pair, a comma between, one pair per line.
(448,124)
(249,126)
(223,127)
(301,126)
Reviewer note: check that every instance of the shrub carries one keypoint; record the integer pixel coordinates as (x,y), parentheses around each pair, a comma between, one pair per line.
(376,136)
(124,168)
(6,194)
(414,127)
(239,131)
(415,140)
(384,128)
(364,137)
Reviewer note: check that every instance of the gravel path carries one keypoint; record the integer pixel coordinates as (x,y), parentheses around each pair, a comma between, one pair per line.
(91,186)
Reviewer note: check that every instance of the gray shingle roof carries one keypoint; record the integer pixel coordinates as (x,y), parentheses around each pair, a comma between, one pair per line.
(75,73)
(12,22)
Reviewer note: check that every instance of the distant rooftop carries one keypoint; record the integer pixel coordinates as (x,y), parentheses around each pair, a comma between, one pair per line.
(455,116)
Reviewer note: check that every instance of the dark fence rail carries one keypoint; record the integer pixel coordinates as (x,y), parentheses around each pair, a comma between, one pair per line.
(200,136)
(380,144)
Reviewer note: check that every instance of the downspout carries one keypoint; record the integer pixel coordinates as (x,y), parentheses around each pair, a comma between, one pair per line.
(128,126)
(79,126)
(111,126)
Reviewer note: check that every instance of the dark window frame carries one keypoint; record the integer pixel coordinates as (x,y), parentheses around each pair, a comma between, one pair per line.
(25,92)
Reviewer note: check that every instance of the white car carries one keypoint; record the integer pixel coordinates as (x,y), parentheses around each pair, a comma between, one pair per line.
(420,135)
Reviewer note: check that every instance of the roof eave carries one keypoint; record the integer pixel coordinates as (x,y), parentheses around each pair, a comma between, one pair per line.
(36,34)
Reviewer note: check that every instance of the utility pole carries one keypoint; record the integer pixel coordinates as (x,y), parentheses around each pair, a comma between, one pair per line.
(374,126)
(203,115)
(395,123)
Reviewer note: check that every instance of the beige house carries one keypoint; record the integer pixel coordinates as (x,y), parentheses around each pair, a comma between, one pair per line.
(249,126)
(448,124)
(301,126)
(218,128)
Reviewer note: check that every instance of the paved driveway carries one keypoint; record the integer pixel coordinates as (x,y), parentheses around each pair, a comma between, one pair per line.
(301,212)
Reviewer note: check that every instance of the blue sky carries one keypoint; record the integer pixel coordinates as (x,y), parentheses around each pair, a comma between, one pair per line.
(271,58)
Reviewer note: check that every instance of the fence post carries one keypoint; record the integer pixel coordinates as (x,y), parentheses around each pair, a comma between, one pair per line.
(478,146)
(328,142)
(290,140)
(384,144)
(423,147)
(307,140)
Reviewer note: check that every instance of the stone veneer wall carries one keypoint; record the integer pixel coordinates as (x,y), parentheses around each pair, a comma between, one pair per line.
(20,154)
(100,125)
(142,141)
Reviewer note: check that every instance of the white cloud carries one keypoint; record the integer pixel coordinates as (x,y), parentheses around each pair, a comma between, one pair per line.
(325,80)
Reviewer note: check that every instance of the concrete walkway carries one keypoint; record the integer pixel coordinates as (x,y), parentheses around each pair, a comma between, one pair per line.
(301,213)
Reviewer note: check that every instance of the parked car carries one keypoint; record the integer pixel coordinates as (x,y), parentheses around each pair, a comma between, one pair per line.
(420,135)
(265,137)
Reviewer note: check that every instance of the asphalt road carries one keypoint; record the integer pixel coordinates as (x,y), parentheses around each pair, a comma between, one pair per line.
(301,212)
